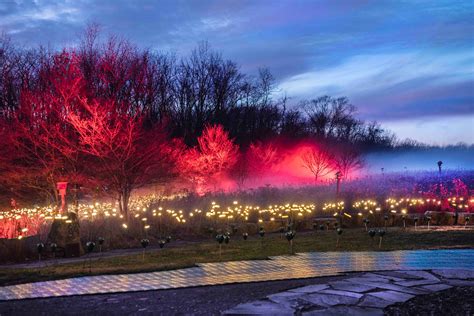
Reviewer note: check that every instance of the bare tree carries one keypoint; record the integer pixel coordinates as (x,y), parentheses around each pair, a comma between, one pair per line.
(348,159)
(127,154)
(331,118)
(319,161)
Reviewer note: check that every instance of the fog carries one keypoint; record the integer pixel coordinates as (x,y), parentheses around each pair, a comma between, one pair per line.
(453,158)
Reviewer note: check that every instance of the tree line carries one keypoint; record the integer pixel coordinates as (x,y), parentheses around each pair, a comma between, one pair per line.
(111,117)
(188,93)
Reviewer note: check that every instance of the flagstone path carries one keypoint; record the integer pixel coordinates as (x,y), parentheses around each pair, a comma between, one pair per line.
(367,294)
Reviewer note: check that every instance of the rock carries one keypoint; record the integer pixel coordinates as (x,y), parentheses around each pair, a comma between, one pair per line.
(353,287)
(321,299)
(342,293)
(436,287)
(389,286)
(392,296)
(67,236)
(380,274)
(421,274)
(259,308)
(310,288)
(373,301)
(416,282)
(456,282)
(346,311)
(287,299)
(397,274)
(372,279)
(455,273)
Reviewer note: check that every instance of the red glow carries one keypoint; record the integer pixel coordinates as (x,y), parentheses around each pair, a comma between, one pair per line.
(280,163)
(12,227)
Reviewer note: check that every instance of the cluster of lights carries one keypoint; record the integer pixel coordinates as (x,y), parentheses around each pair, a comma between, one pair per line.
(276,211)
(367,206)
(19,223)
(460,202)
(334,208)
(237,211)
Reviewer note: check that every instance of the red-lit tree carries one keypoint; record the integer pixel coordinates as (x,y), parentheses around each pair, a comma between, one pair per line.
(213,157)
(318,160)
(262,156)
(39,139)
(126,154)
(258,159)
(64,130)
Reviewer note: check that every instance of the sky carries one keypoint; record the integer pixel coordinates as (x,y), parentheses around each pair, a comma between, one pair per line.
(406,64)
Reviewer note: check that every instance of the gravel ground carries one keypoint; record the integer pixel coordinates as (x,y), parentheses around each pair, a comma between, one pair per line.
(456,301)
(208,300)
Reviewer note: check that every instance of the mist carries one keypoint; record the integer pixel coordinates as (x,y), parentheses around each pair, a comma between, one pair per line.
(453,158)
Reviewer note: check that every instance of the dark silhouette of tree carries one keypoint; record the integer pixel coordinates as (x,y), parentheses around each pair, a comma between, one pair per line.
(347,159)
(189,93)
(331,118)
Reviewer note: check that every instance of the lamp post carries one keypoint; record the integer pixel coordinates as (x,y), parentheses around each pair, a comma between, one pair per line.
(338,184)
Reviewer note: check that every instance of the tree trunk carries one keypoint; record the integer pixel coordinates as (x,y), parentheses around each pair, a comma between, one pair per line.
(119,199)
(76,197)
(125,198)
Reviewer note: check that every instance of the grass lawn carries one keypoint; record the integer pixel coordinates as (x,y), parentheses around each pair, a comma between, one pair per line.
(254,248)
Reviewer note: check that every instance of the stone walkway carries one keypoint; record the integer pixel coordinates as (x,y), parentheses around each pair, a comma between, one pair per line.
(303,265)
(368,294)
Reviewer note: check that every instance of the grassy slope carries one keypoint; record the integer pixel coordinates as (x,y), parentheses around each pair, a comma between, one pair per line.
(237,249)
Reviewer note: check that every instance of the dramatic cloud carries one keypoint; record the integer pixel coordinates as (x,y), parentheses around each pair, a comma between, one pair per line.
(395,60)
(396,81)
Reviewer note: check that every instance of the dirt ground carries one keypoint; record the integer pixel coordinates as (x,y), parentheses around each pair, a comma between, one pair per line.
(455,301)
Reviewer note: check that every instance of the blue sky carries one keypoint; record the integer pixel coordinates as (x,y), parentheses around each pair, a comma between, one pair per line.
(407,64)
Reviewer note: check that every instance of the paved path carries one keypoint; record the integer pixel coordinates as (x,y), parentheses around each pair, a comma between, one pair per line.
(278,268)
(367,294)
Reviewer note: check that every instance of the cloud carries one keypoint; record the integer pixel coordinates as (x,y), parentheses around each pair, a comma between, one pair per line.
(212,24)
(393,59)
(364,74)
(396,85)
(435,130)
(28,13)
